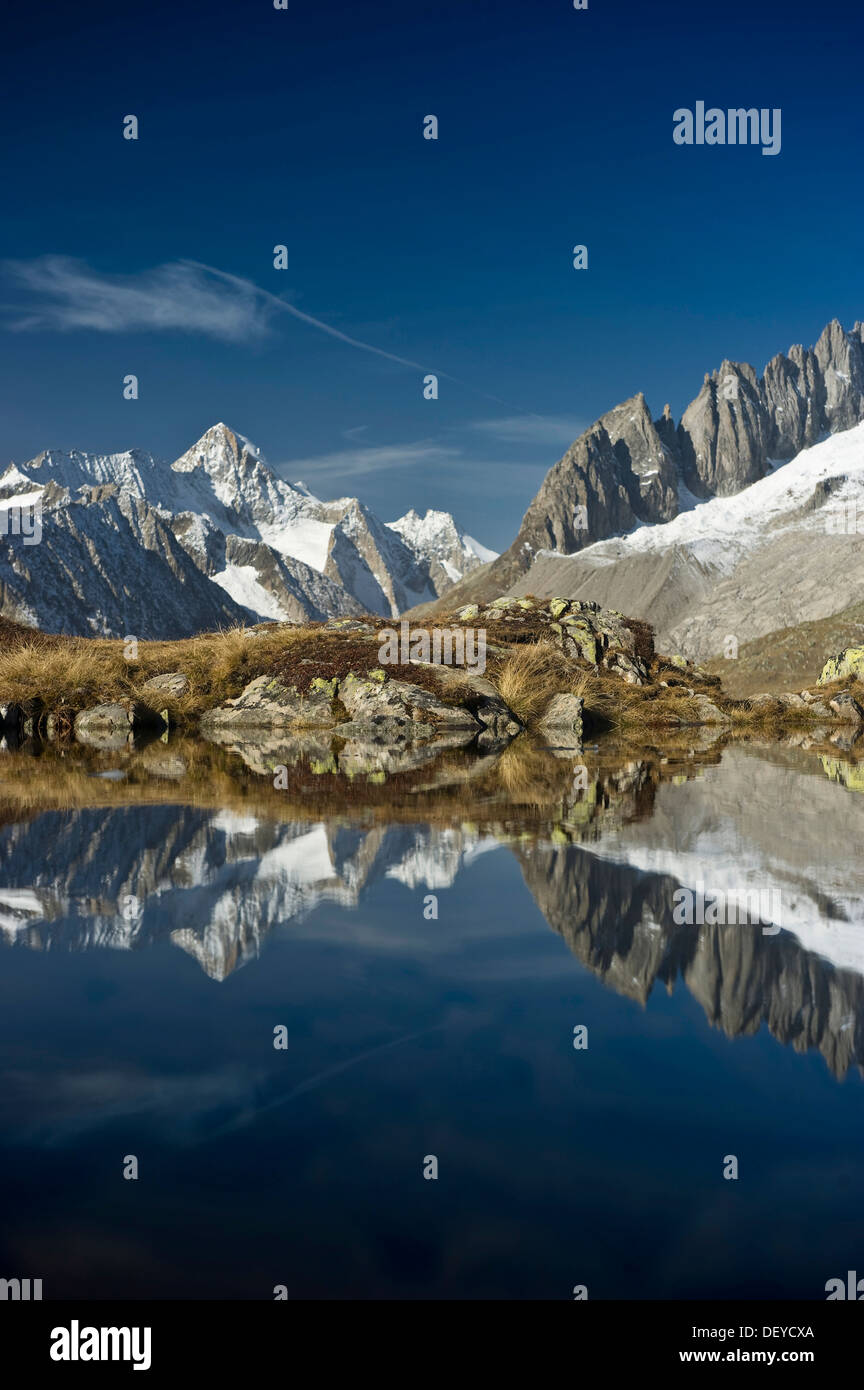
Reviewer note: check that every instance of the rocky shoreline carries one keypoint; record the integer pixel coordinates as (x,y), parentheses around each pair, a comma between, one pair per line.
(559,669)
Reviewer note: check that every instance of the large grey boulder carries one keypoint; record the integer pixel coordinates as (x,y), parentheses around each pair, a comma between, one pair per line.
(171,683)
(268,703)
(113,725)
(562,720)
(847,708)
(709,713)
(367,699)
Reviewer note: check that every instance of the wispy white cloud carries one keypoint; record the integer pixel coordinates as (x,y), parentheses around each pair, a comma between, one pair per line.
(187,295)
(531,429)
(66,294)
(357,463)
(190,296)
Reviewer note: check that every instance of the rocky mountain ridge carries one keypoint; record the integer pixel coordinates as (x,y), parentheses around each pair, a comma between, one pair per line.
(215,538)
(630,469)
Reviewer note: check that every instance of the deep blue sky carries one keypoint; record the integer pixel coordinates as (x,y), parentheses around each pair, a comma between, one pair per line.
(304,127)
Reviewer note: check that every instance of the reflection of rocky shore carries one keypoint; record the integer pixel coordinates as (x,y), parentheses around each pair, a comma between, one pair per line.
(603,846)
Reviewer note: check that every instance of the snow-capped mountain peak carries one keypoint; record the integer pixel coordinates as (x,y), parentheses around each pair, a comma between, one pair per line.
(133,470)
(258,546)
(436,537)
(218,449)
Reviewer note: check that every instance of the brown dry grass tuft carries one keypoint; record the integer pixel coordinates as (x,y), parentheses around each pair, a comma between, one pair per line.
(529,676)
(73,672)
(611,703)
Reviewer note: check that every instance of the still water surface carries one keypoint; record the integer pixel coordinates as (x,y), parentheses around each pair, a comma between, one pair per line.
(159,922)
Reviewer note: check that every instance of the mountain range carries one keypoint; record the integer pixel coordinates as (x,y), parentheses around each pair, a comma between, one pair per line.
(134,546)
(737,523)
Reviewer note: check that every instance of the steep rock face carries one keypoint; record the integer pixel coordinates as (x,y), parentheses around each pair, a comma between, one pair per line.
(619,472)
(840,359)
(585,496)
(724,432)
(109,565)
(795,401)
(628,470)
(647,455)
(740,423)
(372,561)
(783,552)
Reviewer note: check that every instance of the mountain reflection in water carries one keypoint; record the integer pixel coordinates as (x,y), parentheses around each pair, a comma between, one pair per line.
(322,894)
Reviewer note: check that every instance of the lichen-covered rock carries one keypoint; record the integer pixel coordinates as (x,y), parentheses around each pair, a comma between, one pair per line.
(581,642)
(366,699)
(102,719)
(268,703)
(266,751)
(355,626)
(380,758)
(850,662)
(614,632)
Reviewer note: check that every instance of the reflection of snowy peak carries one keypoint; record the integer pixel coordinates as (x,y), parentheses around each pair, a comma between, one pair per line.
(214,538)
(216,886)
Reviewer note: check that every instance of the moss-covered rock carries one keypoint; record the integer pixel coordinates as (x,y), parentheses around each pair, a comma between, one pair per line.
(850,662)
(581,642)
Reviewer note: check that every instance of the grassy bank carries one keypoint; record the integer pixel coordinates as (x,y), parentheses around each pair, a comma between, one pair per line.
(63,675)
